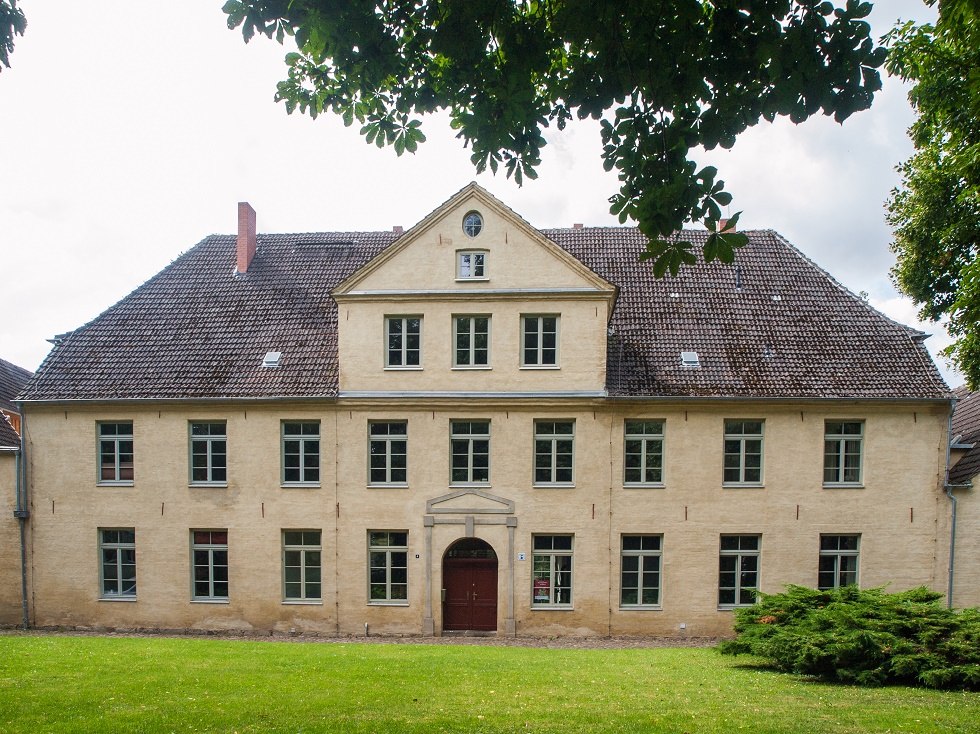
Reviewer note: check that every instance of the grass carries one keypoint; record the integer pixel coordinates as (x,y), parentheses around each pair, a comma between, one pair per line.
(97,684)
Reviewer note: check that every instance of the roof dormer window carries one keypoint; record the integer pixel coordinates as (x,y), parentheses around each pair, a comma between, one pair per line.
(471,265)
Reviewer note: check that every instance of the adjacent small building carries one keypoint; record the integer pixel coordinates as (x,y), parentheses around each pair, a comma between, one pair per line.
(12,501)
(478,426)
(964,478)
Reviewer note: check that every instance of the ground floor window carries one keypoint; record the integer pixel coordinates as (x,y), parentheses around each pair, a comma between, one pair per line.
(209,550)
(838,561)
(387,566)
(117,549)
(552,582)
(738,570)
(301,557)
(640,570)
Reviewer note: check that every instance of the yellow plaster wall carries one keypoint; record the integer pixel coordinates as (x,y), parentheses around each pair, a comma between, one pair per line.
(10,565)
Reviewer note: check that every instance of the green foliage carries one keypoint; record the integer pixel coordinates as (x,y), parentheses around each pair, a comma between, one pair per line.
(864,637)
(935,212)
(662,77)
(12,22)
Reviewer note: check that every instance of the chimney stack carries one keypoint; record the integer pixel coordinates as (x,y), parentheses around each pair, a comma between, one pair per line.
(398,230)
(246,236)
(577,225)
(722,224)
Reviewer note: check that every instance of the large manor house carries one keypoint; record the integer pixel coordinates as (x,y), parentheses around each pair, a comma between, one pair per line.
(477,427)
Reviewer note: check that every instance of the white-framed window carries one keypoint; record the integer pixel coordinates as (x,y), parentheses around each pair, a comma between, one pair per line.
(301,565)
(209,561)
(743,452)
(554,452)
(300,453)
(387,566)
(469,448)
(738,570)
(403,342)
(471,265)
(843,444)
(115,452)
(471,342)
(209,453)
(117,563)
(388,452)
(640,564)
(472,224)
(539,340)
(551,583)
(838,561)
(643,459)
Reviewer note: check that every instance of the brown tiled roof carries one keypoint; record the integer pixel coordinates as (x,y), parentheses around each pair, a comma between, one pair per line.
(12,381)
(196,330)
(966,424)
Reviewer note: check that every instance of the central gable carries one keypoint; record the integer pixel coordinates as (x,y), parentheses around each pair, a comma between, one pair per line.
(472,244)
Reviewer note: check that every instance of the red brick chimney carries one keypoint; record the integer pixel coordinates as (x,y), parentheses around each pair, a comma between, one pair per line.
(246,236)
(722,224)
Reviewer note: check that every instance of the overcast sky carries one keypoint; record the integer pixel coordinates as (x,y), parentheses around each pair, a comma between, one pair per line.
(131,129)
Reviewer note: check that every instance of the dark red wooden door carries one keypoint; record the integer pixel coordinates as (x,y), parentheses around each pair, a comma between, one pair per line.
(471,594)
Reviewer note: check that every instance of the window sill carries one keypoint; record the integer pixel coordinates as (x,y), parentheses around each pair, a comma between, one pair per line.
(303,602)
(117,598)
(471,368)
(554,485)
(397,368)
(654,485)
(470,485)
(470,280)
(844,485)
(388,486)
(209,601)
(379,603)
(300,485)
(641,608)
(732,607)
(540,367)
(206,485)
(743,485)
(552,608)
(121,483)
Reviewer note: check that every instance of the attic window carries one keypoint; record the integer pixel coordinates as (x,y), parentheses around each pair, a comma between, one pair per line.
(471,265)
(690,359)
(271,359)
(473,224)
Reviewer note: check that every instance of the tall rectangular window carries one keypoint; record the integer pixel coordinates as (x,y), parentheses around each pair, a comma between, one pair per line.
(471,335)
(743,451)
(644,452)
(209,453)
(471,265)
(738,570)
(552,577)
(539,341)
(554,446)
(301,452)
(388,452)
(838,561)
(116,452)
(842,448)
(387,566)
(469,444)
(403,339)
(209,554)
(117,551)
(640,571)
(301,559)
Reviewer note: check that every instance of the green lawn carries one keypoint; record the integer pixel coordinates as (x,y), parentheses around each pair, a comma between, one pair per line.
(94,684)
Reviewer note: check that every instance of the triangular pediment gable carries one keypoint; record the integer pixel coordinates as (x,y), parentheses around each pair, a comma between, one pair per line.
(470,501)
(519,257)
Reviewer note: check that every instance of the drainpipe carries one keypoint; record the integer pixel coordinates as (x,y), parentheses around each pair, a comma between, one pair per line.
(22,514)
(952,521)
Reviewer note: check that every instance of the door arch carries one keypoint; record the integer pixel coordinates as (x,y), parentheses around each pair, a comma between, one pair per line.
(469,586)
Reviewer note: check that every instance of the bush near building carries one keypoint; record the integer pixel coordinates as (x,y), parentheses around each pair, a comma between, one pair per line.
(867,637)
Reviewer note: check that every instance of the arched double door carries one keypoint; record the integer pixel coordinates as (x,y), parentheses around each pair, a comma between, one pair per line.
(469,582)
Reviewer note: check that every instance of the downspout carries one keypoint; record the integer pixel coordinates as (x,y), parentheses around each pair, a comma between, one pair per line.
(952,520)
(22,514)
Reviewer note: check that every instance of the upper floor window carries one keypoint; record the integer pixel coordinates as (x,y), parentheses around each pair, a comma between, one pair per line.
(644,453)
(116,452)
(743,452)
(738,570)
(471,265)
(471,336)
(403,340)
(388,452)
(301,452)
(469,443)
(838,561)
(842,448)
(209,453)
(554,452)
(473,224)
(117,551)
(539,341)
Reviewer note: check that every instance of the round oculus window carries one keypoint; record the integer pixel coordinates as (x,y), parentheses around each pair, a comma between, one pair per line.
(472,224)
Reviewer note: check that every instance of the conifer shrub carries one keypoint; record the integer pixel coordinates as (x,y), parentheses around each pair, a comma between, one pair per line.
(864,637)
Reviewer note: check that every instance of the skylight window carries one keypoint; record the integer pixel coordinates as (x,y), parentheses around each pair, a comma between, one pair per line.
(271,359)
(690,359)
